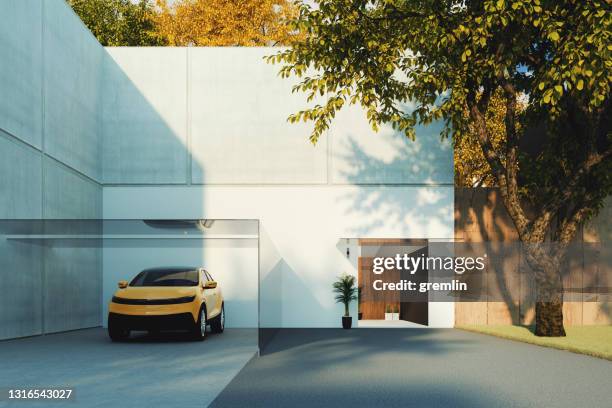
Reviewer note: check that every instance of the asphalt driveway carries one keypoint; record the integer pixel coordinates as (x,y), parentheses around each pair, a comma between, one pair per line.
(167,370)
(415,368)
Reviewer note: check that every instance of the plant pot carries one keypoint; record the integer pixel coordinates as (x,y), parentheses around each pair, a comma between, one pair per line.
(388,316)
(347,322)
(359,316)
(395,316)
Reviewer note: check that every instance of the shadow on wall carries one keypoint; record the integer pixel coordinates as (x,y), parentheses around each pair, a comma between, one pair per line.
(145,143)
(145,118)
(480,216)
(425,211)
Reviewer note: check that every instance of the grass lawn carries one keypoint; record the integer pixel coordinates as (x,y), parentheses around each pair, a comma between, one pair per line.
(594,341)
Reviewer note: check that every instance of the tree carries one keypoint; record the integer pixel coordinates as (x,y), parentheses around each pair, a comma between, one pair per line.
(471,166)
(451,58)
(225,22)
(118,22)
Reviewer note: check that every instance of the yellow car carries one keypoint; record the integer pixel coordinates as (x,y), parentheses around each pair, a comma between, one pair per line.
(170,298)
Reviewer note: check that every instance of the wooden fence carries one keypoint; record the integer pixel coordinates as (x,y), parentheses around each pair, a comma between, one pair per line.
(480,216)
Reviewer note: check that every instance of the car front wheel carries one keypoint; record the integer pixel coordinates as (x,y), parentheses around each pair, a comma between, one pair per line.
(200,329)
(218,323)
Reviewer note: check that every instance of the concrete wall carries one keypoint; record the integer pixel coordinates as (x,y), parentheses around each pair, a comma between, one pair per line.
(192,133)
(145,116)
(218,116)
(50,147)
(225,110)
(302,248)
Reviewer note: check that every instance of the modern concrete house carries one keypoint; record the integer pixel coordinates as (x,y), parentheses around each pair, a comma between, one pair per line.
(88,132)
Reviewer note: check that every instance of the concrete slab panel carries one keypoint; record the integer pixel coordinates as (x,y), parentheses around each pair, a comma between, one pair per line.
(72,90)
(69,194)
(21,69)
(239,130)
(73,285)
(20,180)
(362,156)
(20,288)
(145,116)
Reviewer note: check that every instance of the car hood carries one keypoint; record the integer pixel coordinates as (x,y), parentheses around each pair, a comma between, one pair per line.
(155,292)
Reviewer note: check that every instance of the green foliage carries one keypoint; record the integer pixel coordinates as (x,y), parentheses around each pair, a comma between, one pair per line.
(383,53)
(118,22)
(450,57)
(345,291)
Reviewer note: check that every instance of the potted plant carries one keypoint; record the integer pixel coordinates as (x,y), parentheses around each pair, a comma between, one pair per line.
(388,312)
(346,292)
(395,312)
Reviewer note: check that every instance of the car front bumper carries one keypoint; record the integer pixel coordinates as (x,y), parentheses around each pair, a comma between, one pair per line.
(178,321)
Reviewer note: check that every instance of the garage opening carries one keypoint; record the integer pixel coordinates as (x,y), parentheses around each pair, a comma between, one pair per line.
(73,267)
(59,277)
(227,250)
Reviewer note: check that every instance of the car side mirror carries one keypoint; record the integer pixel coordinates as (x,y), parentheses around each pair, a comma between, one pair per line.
(209,285)
(122,284)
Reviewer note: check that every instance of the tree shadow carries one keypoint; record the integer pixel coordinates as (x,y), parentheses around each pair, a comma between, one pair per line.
(400,188)
(481,219)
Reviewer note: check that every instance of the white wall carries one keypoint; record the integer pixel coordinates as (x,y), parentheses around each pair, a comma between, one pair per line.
(303,228)
(224,111)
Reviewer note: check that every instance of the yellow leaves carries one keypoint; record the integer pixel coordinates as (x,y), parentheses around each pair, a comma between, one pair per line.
(553,36)
(471,167)
(223,23)
(580,85)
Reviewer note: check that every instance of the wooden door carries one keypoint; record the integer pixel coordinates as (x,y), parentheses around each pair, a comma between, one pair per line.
(414,306)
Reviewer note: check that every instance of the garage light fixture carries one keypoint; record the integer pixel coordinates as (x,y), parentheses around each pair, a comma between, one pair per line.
(205,224)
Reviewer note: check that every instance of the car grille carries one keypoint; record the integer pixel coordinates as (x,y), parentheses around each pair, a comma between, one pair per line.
(171,301)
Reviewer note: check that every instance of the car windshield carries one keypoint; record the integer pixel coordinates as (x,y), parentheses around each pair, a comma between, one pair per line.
(166,277)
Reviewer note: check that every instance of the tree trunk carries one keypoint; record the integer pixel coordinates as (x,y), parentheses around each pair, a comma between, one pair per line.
(549,301)
(549,318)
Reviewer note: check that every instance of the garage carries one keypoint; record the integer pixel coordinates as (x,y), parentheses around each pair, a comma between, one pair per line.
(65,273)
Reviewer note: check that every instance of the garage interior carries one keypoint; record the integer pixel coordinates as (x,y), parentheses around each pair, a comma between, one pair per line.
(63,274)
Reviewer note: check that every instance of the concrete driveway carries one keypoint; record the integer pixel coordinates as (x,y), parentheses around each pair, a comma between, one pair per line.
(415,368)
(164,371)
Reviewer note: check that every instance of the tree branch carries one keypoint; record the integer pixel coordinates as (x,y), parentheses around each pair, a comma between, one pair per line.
(570,224)
(507,187)
(566,191)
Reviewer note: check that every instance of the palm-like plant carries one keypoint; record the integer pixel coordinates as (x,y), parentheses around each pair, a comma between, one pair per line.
(345,291)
